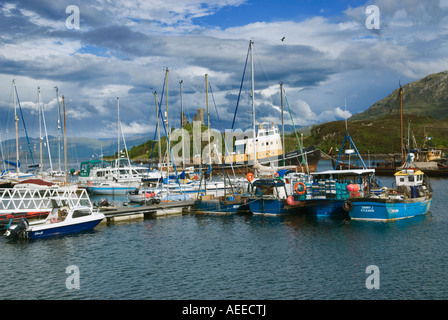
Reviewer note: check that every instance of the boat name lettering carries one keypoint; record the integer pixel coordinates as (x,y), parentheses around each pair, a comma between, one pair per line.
(367,209)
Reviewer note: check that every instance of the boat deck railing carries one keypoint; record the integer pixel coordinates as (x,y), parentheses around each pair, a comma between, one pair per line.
(39,200)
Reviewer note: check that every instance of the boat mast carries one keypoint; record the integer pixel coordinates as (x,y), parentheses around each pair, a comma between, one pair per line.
(182,125)
(59,128)
(17,128)
(167,129)
(208,120)
(39,108)
(118,138)
(46,137)
(253,99)
(401,122)
(65,143)
(158,131)
(283,125)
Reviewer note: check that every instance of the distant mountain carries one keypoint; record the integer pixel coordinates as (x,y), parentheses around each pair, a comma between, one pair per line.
(427,97)
(78,148)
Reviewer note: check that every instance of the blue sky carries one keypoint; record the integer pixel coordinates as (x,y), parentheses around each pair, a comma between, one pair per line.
(122,48)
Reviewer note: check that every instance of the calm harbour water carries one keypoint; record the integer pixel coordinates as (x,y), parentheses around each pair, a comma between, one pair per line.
(200,257)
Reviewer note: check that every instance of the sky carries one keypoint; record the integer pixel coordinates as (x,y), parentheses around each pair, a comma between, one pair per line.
(334,58)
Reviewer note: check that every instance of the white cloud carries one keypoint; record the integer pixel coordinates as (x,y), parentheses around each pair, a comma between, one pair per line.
(330,58)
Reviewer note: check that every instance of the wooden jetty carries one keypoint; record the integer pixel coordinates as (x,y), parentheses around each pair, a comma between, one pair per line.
(145,211)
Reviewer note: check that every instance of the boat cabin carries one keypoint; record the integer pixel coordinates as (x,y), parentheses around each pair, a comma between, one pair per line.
(409,177)
(269,188)
(268,144)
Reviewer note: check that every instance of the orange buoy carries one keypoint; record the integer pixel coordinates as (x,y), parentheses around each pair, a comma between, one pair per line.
(303,188)
(250,177)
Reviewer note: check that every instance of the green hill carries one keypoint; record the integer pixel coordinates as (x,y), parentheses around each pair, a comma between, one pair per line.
(426,97)
(381,136)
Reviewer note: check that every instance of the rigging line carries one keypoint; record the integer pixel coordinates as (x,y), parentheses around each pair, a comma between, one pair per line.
(152,150)
(168,145)
(157,125)
(23,120)
(239,94)
(241,86)
(220,126)
(125,147)
(267,76)
(304,158)
(261,67)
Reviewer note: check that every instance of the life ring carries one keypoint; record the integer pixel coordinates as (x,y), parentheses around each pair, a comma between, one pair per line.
(89,183)
(347,206)
(303,189)
(250,177)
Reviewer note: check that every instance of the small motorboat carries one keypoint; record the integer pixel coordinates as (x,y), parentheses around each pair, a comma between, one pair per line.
(66,217)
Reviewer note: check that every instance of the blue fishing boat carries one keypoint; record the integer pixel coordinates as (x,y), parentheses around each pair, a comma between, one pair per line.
(270,197)
(68,215)
(324,192)
(411,197)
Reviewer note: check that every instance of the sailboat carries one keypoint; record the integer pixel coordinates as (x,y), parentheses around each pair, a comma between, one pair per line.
(116,179)
(11,176)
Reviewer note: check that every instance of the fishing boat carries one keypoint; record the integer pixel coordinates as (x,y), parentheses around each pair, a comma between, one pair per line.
(68,215)
(411,197)
(228,204)
(271,197)
(325,193)
(233,201)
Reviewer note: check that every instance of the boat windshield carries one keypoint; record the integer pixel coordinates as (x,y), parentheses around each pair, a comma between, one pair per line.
(81,213)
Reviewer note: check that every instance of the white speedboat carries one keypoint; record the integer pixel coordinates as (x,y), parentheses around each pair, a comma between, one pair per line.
(68,215)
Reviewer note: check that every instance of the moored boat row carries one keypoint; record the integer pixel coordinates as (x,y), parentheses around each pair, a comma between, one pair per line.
(351,194)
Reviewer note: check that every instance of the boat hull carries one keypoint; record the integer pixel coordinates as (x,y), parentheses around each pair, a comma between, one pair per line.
(274,207)
(325,208)
(217,206)
(387,210)
(109,190)
(57,230)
